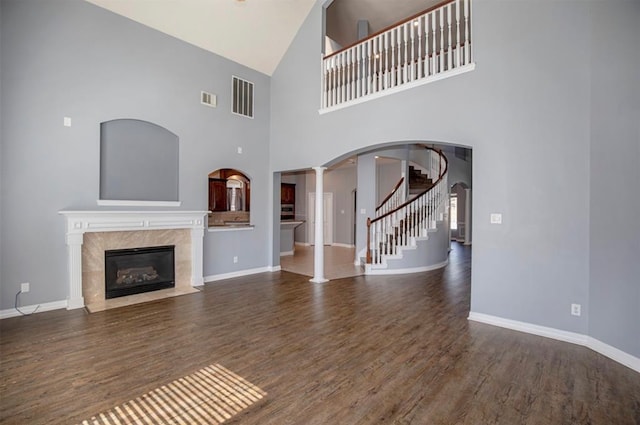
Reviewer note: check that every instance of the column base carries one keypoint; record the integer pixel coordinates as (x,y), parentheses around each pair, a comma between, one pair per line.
(318,280)
(73,303)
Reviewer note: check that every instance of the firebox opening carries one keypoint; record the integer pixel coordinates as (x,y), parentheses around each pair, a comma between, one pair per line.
(137,270)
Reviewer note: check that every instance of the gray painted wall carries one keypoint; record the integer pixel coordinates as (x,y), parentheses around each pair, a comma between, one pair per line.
(71,58)
(365,198)
(524,105)
(387,176)
(614,272)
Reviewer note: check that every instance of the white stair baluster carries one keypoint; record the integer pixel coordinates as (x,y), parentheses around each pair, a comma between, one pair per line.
(360,65)
(380,62)
(333,81)
(340,85)
(344,77)
(369,66)
(324,84)
(412,34)
(405,62)
(441,61)
(420,58)
(433,40)
(467,35)
(387,75)
(393,57)
(354,61)
(458,32)
(449,53)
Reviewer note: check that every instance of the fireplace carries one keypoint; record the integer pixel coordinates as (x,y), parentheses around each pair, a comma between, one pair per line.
(138,270)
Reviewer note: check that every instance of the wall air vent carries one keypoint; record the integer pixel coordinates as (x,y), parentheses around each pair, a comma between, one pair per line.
(208,99)
(242,97)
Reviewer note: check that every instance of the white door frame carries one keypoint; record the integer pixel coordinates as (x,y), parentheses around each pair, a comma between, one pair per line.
(328,217)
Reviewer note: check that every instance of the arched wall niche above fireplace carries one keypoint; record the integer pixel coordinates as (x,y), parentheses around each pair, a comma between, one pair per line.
(138,164)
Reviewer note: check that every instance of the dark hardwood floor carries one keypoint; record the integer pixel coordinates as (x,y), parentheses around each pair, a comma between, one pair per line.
(363,350)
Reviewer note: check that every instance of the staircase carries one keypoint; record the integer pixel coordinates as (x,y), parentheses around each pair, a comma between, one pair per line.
(419,180)
(410,232)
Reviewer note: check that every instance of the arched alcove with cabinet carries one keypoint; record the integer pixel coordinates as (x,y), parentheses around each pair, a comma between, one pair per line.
(229,198)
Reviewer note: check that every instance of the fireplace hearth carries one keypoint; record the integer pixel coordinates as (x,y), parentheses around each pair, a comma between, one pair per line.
(138,270)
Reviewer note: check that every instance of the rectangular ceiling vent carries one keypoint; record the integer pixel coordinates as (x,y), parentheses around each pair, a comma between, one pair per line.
(242,97)
(208,99)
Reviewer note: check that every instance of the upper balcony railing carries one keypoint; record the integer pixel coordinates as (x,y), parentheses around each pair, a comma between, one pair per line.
(425,47)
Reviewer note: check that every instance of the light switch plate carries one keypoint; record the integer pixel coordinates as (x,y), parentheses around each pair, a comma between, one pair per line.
(496,218)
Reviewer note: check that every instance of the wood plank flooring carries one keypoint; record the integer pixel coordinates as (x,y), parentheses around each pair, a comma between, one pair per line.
(362,350)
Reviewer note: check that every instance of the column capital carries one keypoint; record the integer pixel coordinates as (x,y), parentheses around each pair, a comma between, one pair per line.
(319,169)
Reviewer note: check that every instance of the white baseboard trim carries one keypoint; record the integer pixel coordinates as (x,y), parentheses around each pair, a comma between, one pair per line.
(302,243)
(343,245)
(239,273)
(614,353)
(12,312)
(286,253)
(274,268)
(374,271)
(598,346)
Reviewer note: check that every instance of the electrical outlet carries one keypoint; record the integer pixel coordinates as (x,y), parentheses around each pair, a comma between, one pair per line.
(24,287)
(575,309)
(235,259)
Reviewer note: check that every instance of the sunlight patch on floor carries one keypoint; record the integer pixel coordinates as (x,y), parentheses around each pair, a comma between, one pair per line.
(211,395)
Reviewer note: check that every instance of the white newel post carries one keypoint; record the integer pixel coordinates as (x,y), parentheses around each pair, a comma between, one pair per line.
(318,249)
(74,250)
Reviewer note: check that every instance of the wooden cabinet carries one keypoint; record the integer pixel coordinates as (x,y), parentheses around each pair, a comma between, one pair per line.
(288,193)
(217,194)
(287,201)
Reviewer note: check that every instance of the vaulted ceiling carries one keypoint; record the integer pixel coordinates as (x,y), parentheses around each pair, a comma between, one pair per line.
(257,33)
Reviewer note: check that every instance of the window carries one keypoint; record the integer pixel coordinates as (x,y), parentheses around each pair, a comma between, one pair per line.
(453,211)
(242,97)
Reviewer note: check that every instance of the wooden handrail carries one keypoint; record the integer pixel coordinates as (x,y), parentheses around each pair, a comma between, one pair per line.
(441,176)
(397,24)
(404,204)
(397,186)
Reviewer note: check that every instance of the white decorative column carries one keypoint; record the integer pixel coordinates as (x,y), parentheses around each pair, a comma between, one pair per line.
(197,271)
(318,249)
(74,250)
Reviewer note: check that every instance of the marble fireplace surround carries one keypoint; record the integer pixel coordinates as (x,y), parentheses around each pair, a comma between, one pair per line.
(101,230)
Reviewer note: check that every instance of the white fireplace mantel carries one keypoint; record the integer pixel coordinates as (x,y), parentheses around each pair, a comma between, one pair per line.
(81,222)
